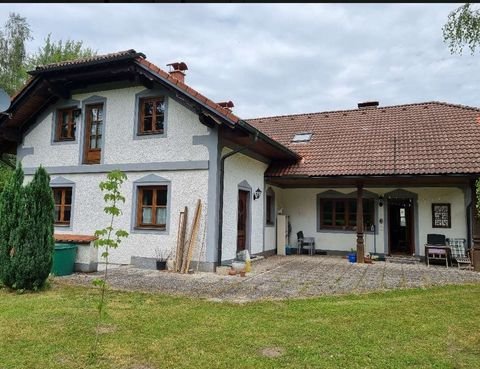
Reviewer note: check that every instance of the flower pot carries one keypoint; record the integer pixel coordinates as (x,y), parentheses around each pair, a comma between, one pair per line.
(161,265)
(352,257)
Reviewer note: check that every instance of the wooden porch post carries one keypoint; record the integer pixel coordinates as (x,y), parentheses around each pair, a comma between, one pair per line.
(360,245)
(475,229)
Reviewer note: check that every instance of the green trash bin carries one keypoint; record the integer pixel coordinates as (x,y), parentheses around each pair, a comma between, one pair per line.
(64,258)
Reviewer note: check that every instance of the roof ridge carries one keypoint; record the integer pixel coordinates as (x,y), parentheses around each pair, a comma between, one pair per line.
(379,108)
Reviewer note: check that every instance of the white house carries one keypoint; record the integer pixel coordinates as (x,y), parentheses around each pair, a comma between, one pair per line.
(410,167)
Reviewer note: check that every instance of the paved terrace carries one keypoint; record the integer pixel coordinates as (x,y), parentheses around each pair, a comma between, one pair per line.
(280,277)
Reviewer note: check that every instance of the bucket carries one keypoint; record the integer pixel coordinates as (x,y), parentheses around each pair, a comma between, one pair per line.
(352,257)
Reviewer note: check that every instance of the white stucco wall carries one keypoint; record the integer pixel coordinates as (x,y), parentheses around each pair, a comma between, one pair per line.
(270,231)
(186,186)
(86,253)
(301,205)
(240,168)
(119,145)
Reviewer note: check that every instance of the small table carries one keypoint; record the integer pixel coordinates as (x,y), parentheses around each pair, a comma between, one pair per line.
(435,252)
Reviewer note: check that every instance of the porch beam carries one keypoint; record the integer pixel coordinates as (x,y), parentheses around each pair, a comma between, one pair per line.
(475,229)
(360,245)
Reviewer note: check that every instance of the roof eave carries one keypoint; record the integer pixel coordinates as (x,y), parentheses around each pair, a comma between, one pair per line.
(268,140)
(228,121)
(67,67)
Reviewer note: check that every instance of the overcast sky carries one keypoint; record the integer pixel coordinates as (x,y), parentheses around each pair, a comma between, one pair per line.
(273,59)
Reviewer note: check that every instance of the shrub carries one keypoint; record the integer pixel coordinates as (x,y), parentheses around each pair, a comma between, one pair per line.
(28,253)
(11,203)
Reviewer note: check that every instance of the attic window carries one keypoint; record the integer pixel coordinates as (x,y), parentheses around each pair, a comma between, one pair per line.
(302,137)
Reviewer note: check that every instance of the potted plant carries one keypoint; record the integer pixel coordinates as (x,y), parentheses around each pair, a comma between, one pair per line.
(162,256)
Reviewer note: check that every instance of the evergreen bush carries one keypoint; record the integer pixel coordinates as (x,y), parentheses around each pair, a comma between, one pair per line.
(27,257)
(11,203)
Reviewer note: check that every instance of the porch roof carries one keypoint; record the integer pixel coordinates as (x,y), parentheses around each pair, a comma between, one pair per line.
(429,138)
(452,180)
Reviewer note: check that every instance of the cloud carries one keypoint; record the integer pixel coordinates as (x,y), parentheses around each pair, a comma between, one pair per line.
(275,59)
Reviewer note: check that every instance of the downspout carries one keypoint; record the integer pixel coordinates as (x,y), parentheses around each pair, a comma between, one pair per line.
(220,208)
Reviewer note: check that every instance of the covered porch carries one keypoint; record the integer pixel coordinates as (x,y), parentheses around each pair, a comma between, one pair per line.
(381,215)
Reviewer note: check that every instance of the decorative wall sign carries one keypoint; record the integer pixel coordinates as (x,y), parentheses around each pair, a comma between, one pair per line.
(441,216)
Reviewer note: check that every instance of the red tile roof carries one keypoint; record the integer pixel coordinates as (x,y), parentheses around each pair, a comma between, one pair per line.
(120,55)
(73,238)
(140,58)
(424,138)
(188,90)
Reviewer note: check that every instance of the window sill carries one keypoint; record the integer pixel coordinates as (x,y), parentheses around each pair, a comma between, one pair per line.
(151,133)
(150,230)
(61,225)
(64,142)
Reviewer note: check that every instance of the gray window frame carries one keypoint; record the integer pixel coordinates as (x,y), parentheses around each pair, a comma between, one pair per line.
(61,182)
(270,192)
(136,126)
(60,106)
(147,181)
(92,100)
(332,194)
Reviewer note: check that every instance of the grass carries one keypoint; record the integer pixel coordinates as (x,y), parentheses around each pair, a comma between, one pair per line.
(433,328)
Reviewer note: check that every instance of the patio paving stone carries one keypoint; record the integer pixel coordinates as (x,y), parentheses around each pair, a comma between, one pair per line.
(283,277)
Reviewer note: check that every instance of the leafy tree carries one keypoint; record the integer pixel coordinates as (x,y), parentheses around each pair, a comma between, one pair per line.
(58,51)
(13,37)
(11,211)
(108,238)
(462,29)
(14,61)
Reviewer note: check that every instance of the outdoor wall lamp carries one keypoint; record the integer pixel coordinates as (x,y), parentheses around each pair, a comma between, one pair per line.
(380,201)
(257,194)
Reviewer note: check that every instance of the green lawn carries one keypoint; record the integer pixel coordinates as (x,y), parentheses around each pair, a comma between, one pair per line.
(434,328)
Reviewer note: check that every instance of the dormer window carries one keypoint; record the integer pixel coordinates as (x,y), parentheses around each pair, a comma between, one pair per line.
(302,137)
(152,116)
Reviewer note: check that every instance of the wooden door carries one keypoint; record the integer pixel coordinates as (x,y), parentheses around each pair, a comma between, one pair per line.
(93,133)
(242,230)
(400,227)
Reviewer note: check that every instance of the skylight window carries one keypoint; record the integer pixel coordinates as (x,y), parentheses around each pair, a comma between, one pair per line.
(302,137)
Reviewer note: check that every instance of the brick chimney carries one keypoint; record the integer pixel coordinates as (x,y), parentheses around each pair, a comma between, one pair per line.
(368,105)
(177,70)
(226,104)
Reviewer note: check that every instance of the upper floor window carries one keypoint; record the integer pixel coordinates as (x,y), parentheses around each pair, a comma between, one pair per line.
(67,121)
(152,207)
(93,133)
(342,214)
(63,205)
(152,115)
